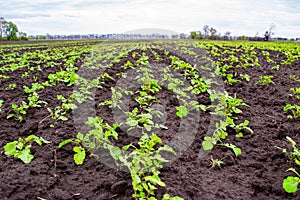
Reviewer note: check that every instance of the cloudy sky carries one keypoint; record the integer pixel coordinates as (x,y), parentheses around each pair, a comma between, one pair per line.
(240,17)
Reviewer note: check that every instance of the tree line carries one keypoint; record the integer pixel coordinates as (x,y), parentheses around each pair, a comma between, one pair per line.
(211,34)
(10,31)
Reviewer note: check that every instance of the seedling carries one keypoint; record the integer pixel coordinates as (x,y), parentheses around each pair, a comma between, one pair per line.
(19,111)
(237,151)
(294,155)
(127,65)
(245,77)
(215,162)
(296,92)
(265,80)
(230,80)
(295,109)
(290,184)
(11,86)
(276,67)
(21,148)
(294,78)
(143,164)
(79,150)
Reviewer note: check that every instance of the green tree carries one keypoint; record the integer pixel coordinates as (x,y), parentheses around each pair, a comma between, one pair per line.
(11,31)
(196,35)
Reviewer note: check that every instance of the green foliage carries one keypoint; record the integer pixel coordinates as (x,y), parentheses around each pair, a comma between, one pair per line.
(245,77)
(230,80)
(19,111)
(296,92)
(182,111)
(145,100)
(294,109)
(215,162)
(265,80)
(276,67)
(237,151)
(143,164)
(168,197)
(294,78)
(79,150)
(11,86)
(143,120)
(34,88)
(21,148)
(290,184)
(60,112)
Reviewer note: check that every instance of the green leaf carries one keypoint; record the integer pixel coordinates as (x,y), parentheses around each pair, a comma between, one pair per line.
(207,145)
(290,184)
(182,111)
(63,143)
(10,148)
(31,138)
(155,180)
(25,155)
(115,152)
(79,156)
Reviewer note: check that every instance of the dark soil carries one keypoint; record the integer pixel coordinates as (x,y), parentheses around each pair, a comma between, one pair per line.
(256,174)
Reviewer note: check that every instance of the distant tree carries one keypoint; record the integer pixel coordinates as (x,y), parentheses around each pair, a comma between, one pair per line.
(182,36)
(23,36)
(196,35)
(206,31)
(227,35)
(11,31)
(213,32)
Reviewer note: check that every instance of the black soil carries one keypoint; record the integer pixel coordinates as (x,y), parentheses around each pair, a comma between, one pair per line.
(256,174)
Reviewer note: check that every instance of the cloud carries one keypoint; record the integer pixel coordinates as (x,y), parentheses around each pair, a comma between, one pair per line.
(241,17)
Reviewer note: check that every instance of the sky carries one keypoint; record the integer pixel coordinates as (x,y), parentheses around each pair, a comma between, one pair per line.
(240,17)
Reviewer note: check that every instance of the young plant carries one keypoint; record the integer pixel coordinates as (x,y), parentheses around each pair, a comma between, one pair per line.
(230,80)
(79,149)
(237,151)
(276,67)
(21,148)
(295,109)
(215,162)
(265,80)
(296,92)
(290,184)
(19,111)
(245,77)
(143,164)
(294,78)
(11,86)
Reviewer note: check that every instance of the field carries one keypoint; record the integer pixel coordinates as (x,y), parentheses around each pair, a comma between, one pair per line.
(150,120)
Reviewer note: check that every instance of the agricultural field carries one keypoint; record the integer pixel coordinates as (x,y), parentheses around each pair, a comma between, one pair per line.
(150,120)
